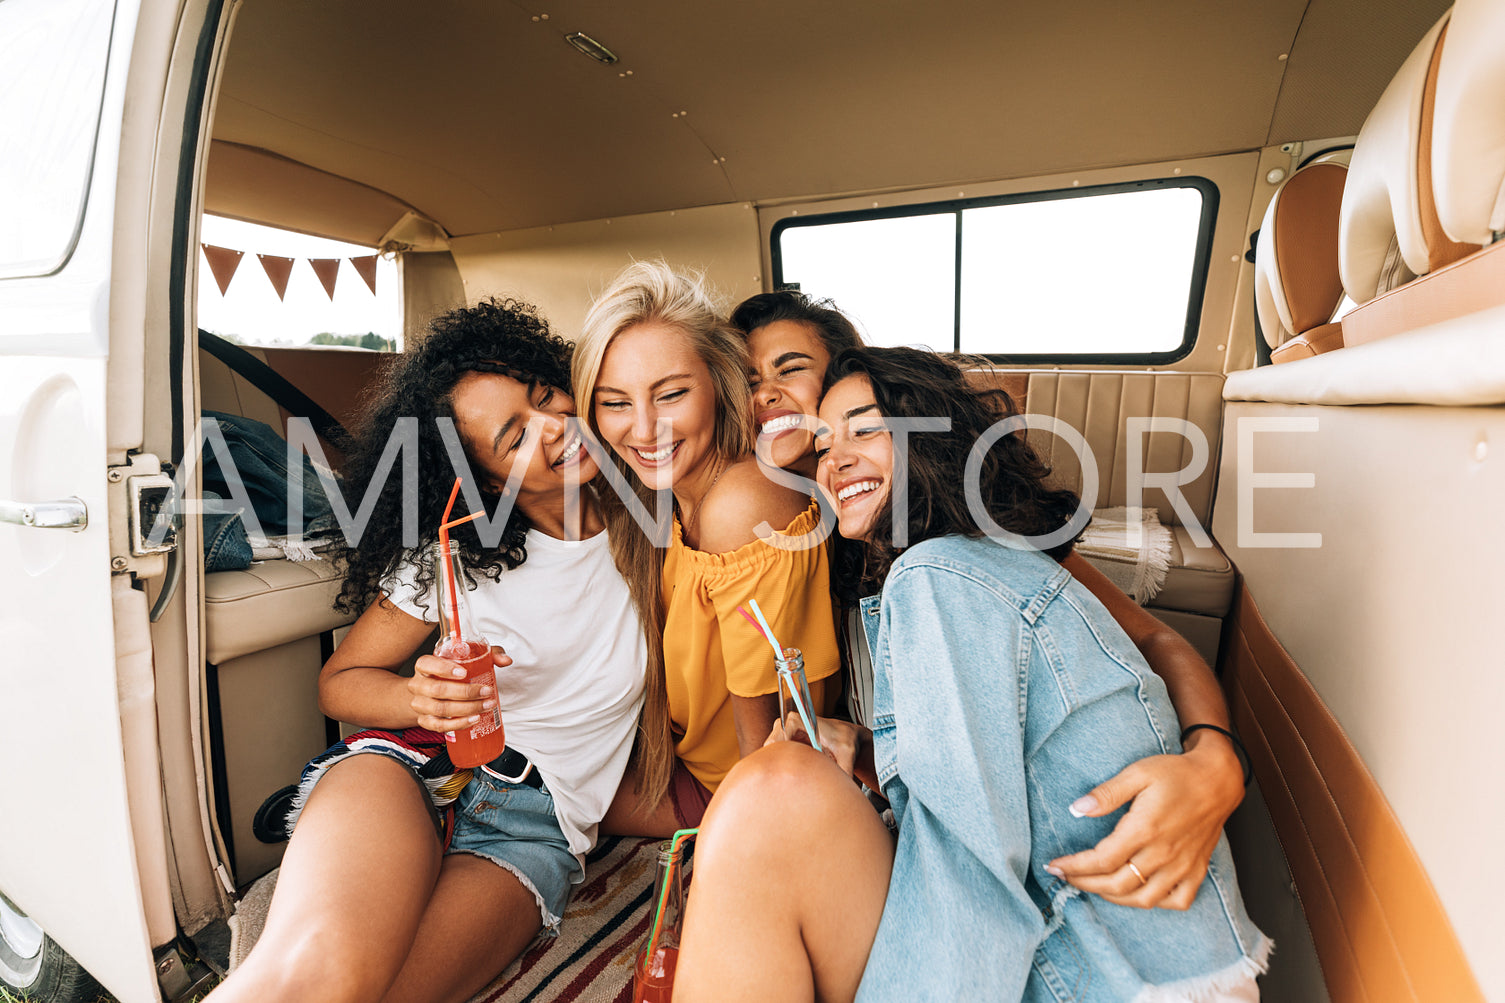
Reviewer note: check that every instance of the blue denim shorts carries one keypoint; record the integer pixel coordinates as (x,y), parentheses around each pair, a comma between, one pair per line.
(513,826)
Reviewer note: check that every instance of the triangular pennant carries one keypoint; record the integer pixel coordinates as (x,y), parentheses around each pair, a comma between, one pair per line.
(277,269)
(327,269)
(366,267)
(222,262)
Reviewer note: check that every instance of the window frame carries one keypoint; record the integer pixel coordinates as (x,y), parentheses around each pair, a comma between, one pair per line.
(1201,259)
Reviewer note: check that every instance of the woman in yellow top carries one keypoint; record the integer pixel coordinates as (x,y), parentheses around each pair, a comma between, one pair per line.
(662,378)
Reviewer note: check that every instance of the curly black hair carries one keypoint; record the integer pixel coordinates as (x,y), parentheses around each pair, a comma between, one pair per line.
(496,336)
(912,383)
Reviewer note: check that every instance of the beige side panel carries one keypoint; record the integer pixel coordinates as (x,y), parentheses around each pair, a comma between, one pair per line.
(271,726)
(1394,617)
(430,286)
(560,268)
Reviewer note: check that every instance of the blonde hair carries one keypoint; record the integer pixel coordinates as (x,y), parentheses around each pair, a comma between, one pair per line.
(651,292)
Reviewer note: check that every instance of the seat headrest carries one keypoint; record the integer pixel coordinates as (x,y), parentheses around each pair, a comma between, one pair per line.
(1381,205)
(1468,127)
(1296,282)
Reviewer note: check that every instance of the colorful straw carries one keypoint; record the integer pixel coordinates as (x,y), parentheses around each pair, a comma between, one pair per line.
(663,896)
(761,626)
(451,589)
(773,642)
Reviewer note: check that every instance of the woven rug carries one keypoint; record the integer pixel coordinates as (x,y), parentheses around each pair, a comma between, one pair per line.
(591,959)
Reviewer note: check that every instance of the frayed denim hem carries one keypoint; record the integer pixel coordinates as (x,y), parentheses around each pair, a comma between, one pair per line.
(1213,987)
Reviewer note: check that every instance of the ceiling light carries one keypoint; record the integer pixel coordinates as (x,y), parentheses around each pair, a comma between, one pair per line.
(584,43)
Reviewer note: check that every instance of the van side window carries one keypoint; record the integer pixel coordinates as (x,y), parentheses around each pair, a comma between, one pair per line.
(1109,273)
(52,75)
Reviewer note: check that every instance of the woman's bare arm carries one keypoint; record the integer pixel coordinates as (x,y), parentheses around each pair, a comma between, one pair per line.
(360,684)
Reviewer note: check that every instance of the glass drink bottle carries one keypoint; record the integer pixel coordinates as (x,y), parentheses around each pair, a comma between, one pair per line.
(653,977)
(461,643)
(791,673)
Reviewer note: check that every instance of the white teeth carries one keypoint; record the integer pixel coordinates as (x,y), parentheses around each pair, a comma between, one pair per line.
(569,452)
(782,423)
(662,454)
(853,490)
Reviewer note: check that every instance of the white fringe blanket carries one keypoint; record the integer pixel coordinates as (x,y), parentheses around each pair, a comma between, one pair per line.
(1130,547)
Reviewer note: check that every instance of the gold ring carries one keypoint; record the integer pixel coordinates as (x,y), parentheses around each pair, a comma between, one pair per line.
(1142,879)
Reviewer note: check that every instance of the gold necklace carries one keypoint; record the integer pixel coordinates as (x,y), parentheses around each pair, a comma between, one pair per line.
(692,524)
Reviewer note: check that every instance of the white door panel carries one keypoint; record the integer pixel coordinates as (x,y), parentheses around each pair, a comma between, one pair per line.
(67,852)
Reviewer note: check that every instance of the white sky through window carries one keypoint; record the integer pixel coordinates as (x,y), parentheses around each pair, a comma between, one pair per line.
(251,311)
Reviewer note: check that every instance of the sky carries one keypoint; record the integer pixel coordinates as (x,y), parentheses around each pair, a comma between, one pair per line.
(250,309)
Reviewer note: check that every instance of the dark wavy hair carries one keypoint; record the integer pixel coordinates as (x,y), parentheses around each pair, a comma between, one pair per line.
(496,336)
(912,383)
(836,331)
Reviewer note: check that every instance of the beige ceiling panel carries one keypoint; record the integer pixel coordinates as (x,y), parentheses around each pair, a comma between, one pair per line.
(479,117)
(484,119)
(1345,55)
(809,98)
(247,183)
(561,268)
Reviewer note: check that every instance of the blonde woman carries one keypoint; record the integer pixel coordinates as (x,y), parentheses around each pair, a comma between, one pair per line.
(662,380)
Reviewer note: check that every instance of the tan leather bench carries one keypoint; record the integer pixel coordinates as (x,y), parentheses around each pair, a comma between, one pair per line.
(1099,405)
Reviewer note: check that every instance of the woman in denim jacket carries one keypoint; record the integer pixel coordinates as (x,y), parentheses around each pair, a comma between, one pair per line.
(1001,689)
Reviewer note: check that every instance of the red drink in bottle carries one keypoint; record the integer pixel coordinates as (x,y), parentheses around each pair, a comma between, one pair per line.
(481,742)
(653,971)
(653,979)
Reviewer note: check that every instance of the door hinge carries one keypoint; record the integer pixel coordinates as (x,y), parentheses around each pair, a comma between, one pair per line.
(180,973)
(139,489)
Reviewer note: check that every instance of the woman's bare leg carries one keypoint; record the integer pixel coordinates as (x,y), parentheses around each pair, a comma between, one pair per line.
(791,872)
(357,876)
(479,918)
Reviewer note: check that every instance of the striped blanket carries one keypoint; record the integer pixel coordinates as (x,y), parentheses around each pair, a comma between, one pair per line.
(591,960)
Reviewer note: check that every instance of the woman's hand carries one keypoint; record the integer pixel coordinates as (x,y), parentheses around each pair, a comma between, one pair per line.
(1169,832)
(442,699)
(842,741)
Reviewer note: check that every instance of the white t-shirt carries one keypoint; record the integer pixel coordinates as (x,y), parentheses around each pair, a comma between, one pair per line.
(570,698)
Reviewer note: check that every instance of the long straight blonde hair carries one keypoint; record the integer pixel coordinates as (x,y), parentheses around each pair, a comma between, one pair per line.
(650,292)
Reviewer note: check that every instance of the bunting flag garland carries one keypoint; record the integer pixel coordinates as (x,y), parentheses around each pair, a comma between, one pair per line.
(366,267)
(222,262)
(327,269)
(278,269)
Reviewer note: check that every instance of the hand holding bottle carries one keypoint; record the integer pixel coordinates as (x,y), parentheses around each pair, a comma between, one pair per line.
(443,697)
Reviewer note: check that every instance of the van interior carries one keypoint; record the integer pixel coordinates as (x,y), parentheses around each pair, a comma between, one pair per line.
(1313,406)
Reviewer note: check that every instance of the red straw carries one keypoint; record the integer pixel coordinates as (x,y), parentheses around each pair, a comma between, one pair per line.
(449,568)
(749,618)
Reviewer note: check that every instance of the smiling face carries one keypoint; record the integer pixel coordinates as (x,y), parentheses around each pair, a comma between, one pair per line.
(503,422)
(855,454)
(654,404)
(788,362)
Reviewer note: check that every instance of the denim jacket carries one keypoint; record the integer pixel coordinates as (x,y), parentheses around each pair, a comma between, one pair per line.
(1003,691)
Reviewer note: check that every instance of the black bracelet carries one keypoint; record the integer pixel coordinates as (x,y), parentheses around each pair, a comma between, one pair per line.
(1238,747)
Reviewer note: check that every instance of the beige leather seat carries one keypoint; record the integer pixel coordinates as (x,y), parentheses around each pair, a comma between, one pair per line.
(1297,287)
(1398,170)
(1468,125)
(1099,404)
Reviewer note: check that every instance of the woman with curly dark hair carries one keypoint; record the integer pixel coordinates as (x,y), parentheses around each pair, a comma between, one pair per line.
(1179,803)
(1002,688)
(405,878)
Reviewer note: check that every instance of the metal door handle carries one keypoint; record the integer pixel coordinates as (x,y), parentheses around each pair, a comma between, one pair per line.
(68,513)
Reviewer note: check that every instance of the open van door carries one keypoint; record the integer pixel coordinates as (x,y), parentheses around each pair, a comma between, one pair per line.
(68,867)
